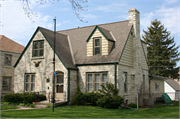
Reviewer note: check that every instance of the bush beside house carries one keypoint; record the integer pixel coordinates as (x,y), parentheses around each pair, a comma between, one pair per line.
(106,98)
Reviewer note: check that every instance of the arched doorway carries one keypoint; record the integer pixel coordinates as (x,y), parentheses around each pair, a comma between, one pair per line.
(59,85)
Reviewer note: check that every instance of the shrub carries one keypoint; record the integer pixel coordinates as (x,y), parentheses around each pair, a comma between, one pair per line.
(49,106)
(78,97)
(85,98)
(111,99)
(23,97)
(133,105)
(22,104)
(32,105)
(110,102)
(91,98)
(42,97)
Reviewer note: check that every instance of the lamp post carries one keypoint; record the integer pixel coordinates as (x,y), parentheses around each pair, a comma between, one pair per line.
(54,63)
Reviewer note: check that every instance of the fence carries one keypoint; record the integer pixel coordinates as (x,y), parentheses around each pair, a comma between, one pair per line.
(157,99)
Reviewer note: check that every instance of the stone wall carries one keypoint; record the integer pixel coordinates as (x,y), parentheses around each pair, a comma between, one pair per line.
(73,83)
(94,68)
(7,71)
(134,82)
(27,65)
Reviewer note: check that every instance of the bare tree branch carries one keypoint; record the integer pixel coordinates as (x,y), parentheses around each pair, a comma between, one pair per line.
(77,7)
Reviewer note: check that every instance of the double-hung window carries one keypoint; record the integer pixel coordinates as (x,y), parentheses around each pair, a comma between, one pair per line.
(6,84)
(38,48)
(30,82)
(94,81)
(97,46)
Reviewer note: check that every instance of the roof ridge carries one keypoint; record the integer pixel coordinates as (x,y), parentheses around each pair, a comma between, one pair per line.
(92,26)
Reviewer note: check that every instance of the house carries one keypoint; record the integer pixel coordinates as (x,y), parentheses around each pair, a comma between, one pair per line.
(9,52)
(172,88)
(157,84)
(88,57)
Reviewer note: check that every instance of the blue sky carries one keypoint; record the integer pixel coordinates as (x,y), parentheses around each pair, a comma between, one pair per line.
(18,27)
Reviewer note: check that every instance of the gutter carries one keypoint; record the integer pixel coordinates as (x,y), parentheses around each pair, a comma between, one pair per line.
(68,99)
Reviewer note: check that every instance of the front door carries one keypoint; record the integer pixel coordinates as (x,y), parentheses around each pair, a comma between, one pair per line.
(59,85)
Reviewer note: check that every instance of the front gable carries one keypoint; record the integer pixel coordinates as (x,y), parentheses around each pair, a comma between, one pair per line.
(106,41)
(37,36)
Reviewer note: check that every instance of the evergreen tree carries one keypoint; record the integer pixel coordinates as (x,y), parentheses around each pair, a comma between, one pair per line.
(162,50)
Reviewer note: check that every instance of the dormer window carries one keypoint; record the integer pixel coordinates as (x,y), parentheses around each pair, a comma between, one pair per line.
(38,48)
(97,46)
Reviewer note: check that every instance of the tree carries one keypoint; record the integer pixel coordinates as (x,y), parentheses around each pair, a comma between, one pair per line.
(162,50)
(77,6)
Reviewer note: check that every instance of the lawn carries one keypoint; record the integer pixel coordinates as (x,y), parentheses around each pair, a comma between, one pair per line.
(94,112)
(4,107)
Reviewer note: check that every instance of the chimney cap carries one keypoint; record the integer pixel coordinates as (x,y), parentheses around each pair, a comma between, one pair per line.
(133,9)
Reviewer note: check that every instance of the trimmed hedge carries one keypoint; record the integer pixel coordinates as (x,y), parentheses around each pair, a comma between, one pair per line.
(23,98)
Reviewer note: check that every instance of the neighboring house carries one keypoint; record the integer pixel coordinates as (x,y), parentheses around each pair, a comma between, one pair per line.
(172,88)
(88,57)
(157,84)
(9,52)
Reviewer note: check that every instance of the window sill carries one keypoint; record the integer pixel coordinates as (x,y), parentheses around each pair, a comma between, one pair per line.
(6,92)
(7,66)
(35,58)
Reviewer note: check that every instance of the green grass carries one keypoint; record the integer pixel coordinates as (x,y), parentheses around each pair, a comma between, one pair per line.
(5,107)
(94,112)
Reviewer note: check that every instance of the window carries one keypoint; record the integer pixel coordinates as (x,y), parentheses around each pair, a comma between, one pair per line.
(97,46)
(125,81)
(6,84)
(156,86)
(30,82)
(94,81)
(38,48)
(7,60)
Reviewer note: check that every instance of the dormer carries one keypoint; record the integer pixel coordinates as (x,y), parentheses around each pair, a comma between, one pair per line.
(100,42)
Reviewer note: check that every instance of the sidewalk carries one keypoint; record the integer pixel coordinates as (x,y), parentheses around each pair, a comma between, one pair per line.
(20,108)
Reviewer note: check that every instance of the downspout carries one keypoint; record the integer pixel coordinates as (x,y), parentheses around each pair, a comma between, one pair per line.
(115,73)
(150,78)
(68,86)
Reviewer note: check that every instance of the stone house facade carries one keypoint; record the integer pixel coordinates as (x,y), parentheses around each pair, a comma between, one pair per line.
(9,53)
(88,57)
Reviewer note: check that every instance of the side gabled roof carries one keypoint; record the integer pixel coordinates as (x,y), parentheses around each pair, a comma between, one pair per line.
(62,47)
(173,84)
(7,44)
(79,37)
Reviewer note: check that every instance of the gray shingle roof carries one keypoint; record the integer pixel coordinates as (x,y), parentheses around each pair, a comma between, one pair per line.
(62,46)
(78,37)
(173,84)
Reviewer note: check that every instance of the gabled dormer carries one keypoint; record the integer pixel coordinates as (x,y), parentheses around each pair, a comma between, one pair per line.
(100,42)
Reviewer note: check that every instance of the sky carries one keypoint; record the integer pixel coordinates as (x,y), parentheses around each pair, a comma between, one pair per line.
(15,24)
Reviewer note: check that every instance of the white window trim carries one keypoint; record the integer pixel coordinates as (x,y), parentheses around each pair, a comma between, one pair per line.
(30,74)
(93,80)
